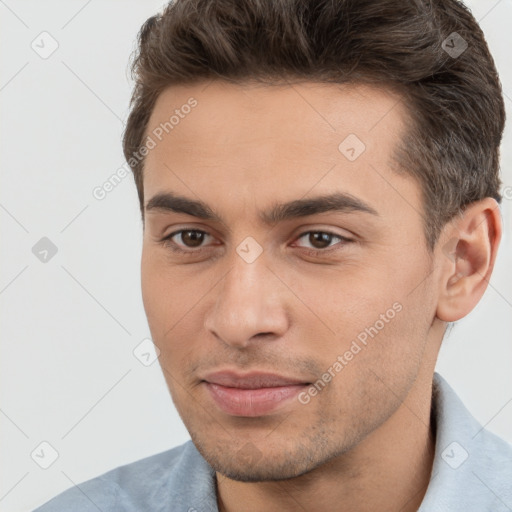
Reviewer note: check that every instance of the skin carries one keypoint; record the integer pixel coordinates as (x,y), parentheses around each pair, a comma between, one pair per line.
(365,442)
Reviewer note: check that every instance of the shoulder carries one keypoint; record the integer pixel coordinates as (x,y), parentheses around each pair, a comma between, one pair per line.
(467,439)
(132,487)
(491,466)
(472,468)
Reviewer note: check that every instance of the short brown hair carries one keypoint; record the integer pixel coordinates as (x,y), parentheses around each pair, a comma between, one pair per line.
(455,102)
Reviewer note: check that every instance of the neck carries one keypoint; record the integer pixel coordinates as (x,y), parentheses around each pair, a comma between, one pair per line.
(389,470)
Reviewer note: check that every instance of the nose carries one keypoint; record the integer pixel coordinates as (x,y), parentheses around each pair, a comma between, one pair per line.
(249,303)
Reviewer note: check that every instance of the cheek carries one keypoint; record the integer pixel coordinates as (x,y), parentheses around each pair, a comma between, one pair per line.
(163,295)
(166,290)
(369,311)
(340,303)
(172,299)
(153,290)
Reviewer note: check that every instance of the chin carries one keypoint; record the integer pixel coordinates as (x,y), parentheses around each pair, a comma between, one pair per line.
(261,472)
(245,462)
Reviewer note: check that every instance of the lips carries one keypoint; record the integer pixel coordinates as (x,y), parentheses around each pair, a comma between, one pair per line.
(253,380)
(252,394)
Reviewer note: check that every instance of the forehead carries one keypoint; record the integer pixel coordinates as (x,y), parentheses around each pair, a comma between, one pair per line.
(252,142)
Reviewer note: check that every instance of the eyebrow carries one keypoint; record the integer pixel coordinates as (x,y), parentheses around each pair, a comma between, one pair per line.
(335,202)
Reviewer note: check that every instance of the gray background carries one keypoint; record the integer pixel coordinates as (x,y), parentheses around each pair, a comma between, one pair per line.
(70,325)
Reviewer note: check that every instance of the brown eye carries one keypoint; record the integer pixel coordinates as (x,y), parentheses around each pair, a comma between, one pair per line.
(322,241)
(192,238)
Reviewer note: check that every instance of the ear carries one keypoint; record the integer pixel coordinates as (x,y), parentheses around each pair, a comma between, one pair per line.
(468,251)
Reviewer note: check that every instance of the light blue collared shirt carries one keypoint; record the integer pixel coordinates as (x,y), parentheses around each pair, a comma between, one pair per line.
(472,472)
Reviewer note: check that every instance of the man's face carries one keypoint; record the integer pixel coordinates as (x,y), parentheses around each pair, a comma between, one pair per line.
(344,327)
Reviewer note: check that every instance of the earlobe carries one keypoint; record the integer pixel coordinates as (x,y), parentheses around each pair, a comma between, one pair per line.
(467,253)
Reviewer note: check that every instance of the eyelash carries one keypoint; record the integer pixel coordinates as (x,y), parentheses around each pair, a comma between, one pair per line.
(167,242)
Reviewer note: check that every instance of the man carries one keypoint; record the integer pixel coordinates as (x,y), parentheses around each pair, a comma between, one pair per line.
(319,185)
